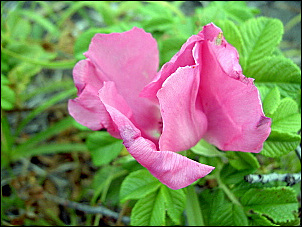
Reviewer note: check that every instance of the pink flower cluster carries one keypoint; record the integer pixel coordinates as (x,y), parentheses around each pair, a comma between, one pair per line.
(200,93)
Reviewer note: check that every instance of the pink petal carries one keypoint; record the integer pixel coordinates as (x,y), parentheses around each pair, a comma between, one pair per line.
(230,101)
(180,59)
(84,73)
(184,123)
(130,60)
(172,169)
(89,111)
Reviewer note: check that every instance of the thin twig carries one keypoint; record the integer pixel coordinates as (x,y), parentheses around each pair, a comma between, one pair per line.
(121,214)
(289,178)
(86,208)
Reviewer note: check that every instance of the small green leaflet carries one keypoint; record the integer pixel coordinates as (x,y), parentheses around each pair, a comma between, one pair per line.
(280,143)
(286,121)
(149,210)
(271,101)
(154,199)
(175,202)
(220,212)
(104,148)
(286,117)
(242,160)
(279,203)
(137,185)
(260,38)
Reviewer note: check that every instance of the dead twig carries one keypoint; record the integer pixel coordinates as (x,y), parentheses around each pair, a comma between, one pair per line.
(86,208)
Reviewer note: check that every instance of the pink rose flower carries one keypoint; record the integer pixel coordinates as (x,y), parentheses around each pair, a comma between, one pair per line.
(200,93)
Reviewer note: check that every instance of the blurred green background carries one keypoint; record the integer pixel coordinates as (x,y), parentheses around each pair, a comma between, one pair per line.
(42,148)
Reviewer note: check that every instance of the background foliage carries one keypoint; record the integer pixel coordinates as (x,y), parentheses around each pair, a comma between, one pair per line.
(48,160)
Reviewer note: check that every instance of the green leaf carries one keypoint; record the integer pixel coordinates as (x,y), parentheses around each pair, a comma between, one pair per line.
(53,149)
(104,148)
(103,180)
(234,10)
(238,215)
(238,10)
(206,149)
(243,160)
(260,38)
(271,101)
(221,212)
(21,29)
(280,143)
(175,201)
(279,204)
(259,220)
(149,210)
(138,184)
(8,97)
(277,71)
(157,24)
(231,175)
(286,117)
(45,23)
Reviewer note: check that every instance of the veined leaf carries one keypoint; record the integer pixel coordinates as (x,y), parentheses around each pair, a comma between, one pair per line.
(104,148)
(175,201)
(221,212)
(259,220)
(138,184)
(278,203)
(280,143)
(260,38)
(243,160)
(263,90)
(271,101)
(149,210)
(286,117)
(276,71)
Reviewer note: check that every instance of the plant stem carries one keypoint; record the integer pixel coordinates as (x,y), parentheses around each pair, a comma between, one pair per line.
(193,210)
(226,190)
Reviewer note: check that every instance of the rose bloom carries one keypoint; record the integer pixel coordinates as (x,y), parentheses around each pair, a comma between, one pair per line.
(200,93)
